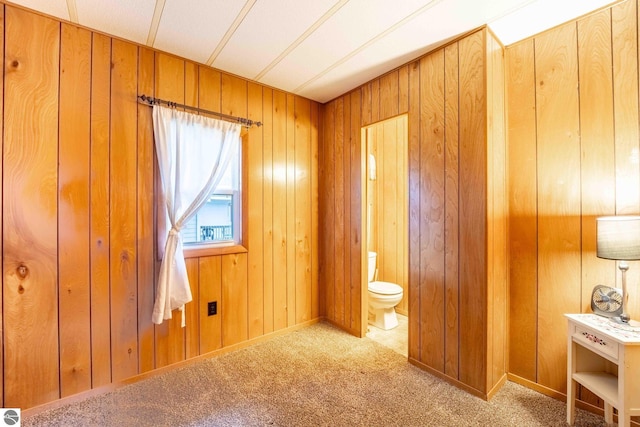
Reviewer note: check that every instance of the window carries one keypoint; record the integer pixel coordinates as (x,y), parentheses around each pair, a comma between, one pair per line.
(218,222)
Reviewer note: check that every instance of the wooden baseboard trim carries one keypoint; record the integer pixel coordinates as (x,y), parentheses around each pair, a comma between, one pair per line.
(26,413)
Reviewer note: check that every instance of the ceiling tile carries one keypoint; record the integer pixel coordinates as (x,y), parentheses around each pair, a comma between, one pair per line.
(352,26)
(270,28)
(193,28)
(122,18)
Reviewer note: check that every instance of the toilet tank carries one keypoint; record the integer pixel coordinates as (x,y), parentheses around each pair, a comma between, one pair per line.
(372,265)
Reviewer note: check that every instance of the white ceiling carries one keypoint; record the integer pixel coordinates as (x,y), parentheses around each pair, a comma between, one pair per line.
(314,48)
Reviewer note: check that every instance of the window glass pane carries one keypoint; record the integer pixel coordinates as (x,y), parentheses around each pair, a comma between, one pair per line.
(218,220)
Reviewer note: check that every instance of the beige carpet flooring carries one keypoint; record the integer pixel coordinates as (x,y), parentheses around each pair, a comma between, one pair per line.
(317,376)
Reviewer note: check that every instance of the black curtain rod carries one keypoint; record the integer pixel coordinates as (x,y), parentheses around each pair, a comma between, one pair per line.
(149,100)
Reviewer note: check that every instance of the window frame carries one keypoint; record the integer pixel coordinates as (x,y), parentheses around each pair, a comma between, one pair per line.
(200,250)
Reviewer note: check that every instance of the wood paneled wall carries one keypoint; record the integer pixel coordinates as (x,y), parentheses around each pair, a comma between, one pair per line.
(78,212)
(573,156)
(457,304)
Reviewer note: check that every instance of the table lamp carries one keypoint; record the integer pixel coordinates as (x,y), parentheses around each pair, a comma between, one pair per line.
(618,238)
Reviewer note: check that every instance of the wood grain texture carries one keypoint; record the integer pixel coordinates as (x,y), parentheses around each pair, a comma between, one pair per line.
(414,324)
(73,210)
(521,128)
(279,159)
(328,266)
(451,224)
(473,210)
(597,163)
(146,225)
(30,175)
(99,212)
(234,299)
(193,310)
(2,34)
(403,89)
(432,207)
(339,214)
(122,211)
(558,156)
(268,209)
(497,215)
(302,214)
(290,211)
(357,249)
(624,46)
(347,187)
(255,213)
(210,290)
(389,95)
(170,85)
(315,197)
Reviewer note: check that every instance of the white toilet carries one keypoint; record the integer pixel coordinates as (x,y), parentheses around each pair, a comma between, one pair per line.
(383,297)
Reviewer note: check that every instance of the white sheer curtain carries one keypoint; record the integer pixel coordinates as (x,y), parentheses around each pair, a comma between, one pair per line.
(193,153)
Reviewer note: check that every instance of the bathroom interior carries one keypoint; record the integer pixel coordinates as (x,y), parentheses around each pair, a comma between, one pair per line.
(387,219)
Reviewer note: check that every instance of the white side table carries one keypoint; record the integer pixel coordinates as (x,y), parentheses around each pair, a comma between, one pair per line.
(606,360)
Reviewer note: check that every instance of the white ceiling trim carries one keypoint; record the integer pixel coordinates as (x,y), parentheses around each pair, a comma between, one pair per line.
(73,11)
(232,29)
(367,44)
(302,38)
(155,22)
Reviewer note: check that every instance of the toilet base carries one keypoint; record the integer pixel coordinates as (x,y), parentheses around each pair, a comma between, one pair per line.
(383,318)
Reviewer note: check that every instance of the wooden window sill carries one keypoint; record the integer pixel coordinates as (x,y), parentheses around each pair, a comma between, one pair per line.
(195,252)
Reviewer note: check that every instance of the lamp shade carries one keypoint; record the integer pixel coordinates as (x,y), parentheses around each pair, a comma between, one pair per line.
(618,237)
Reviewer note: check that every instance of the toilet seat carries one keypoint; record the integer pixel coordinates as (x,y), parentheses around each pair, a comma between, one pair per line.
(385,288)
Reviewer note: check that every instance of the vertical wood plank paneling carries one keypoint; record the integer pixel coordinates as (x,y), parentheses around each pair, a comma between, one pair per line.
(99,219)
(146,229)
(403,89)
(210,289)
(375,100)
(234,95)
(209,89)
(29,205)
(389,95)
(346,202)
(255,213)
(432,187)
(472,208)
(558,196)
(122,211)
(170,85)
(2,37)
(497,216)
(624,17)
(73,210)
(339,213)
(415,330)
(290,212)
(193,309)
(597,164)
(402,201)
(234,299)
(191,331)
(357,219)
(451,225)
(279,160)
(315,194)
(328,191)
(366,105)
(303,199)
(523,225)
(267,209)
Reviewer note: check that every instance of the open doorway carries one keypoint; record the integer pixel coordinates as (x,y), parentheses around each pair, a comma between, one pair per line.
(386,232)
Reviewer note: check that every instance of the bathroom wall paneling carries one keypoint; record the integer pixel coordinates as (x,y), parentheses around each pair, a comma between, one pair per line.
(452,341)
(572,95)
(78,208)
